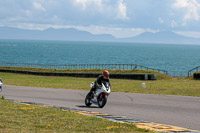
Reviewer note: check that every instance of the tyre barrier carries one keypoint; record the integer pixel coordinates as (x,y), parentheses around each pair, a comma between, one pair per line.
(136,76)
(196,76)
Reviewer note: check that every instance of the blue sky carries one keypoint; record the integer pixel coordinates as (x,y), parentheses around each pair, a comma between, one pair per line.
(121,18)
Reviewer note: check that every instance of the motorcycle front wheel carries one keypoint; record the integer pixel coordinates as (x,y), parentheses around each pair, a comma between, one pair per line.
(102,100)
(87,100)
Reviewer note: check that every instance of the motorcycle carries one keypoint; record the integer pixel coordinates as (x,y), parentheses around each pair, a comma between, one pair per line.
(100,96)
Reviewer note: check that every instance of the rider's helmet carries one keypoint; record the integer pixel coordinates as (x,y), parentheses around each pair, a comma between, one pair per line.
(106,74)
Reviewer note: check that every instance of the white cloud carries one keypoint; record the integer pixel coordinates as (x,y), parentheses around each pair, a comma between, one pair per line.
(28,13)
(192,9)
(86,3)
(82,2)
(160,20)
(38,6)
(109,9)
(173,23)
(122,14)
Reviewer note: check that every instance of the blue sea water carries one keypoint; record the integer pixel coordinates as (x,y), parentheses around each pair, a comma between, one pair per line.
(159,56)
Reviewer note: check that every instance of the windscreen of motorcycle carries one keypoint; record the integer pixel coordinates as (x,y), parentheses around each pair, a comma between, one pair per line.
(107,85)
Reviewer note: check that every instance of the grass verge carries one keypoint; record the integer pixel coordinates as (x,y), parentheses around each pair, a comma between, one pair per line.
(34,118)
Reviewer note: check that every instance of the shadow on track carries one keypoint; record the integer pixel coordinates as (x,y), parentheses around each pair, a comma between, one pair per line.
(82,106)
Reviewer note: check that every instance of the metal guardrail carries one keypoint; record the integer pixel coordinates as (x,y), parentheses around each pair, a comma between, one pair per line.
(84,66)
(192,71)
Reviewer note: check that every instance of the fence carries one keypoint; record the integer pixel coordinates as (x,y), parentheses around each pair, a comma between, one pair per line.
(84,66)
(178,73)
(103,66)
(192,71)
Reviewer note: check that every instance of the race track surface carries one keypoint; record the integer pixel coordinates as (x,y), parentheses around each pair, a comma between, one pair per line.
(182,111)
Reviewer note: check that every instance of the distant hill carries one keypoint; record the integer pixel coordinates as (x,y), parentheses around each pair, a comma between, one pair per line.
(78,35)
(163,37)
(52,34)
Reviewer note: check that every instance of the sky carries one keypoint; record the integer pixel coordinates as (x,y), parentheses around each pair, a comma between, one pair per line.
(121,18)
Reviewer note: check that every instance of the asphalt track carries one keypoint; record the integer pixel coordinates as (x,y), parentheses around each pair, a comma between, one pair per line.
(181,111)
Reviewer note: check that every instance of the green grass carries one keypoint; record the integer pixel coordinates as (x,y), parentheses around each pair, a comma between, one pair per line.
(197,72)
(166,86)
(34,118)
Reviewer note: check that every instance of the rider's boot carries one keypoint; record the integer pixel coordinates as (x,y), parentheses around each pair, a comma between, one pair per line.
(91,94)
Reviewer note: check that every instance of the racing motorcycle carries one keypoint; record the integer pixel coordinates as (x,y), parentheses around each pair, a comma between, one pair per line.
(100,96)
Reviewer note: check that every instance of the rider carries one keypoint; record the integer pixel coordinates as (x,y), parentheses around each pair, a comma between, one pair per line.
(102,78)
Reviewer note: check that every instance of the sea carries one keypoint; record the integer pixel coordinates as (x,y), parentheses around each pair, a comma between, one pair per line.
(170,57)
